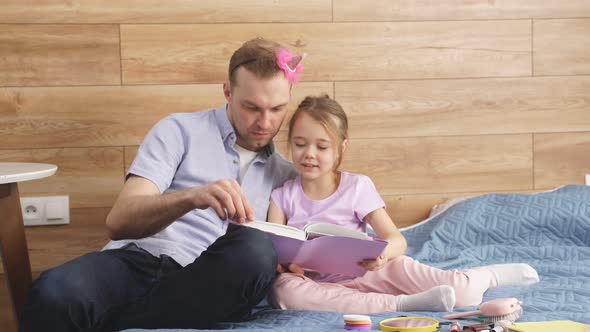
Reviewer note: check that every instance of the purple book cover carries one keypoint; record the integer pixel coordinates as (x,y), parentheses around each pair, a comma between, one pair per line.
(328,254)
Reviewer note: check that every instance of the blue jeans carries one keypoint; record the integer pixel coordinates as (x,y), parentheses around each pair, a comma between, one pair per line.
(125,288)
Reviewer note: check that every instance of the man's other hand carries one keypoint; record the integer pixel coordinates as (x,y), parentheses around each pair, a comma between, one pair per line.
(226,198)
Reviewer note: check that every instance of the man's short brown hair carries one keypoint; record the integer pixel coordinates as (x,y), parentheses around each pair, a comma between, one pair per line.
(258,55)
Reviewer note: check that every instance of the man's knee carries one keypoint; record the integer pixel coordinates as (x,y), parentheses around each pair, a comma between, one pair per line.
(253,251)
(57,289)
(53,303)
(64,291)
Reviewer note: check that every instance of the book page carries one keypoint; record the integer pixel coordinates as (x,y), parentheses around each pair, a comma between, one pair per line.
(325,254)
(325,229)
(278,229)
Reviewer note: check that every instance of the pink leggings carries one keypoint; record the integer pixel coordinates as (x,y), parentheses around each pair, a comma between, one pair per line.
(375,291)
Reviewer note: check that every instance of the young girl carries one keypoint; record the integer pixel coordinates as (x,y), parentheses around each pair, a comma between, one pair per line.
(394,282)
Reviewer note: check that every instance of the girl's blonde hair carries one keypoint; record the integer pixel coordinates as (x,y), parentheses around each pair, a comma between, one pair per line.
(324,110)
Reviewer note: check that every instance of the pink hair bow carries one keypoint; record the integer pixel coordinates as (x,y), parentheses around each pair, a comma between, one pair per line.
(290,64)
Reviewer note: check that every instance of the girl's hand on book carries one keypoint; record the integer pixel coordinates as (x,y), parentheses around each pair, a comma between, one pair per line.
(293,268)
(374,264)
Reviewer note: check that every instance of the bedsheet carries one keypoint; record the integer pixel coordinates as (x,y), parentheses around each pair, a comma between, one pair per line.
(550,231)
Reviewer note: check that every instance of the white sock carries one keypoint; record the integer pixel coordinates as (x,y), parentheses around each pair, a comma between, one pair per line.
(439,298)
(518,274)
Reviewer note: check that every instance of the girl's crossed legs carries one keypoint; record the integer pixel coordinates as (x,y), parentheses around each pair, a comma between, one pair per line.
(404,284)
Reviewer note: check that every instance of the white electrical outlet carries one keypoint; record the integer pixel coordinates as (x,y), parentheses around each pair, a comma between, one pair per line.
(588,179)
(50,210)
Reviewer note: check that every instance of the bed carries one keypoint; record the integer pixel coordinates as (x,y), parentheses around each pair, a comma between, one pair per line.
(550,231)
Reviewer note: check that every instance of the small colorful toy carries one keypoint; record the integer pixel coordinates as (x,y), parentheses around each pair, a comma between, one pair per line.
(357,322)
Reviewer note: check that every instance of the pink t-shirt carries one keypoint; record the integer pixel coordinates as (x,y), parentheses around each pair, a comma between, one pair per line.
(355,197)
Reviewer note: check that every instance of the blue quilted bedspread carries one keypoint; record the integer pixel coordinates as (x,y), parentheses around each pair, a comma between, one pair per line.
(550,231)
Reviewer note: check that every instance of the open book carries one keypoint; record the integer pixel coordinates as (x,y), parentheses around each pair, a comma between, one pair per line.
(322,247)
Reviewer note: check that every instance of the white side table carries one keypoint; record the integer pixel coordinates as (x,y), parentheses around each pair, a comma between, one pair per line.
(13,243)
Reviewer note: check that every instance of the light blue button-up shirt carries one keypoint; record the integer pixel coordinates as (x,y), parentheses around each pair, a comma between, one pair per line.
(193,149)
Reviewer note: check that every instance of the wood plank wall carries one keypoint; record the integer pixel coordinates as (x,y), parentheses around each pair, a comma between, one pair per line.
(445,98)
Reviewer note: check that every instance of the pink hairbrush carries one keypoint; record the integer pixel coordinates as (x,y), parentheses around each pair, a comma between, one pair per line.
(508,308)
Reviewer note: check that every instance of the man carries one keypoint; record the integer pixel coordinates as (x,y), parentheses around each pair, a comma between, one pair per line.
(173,261)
